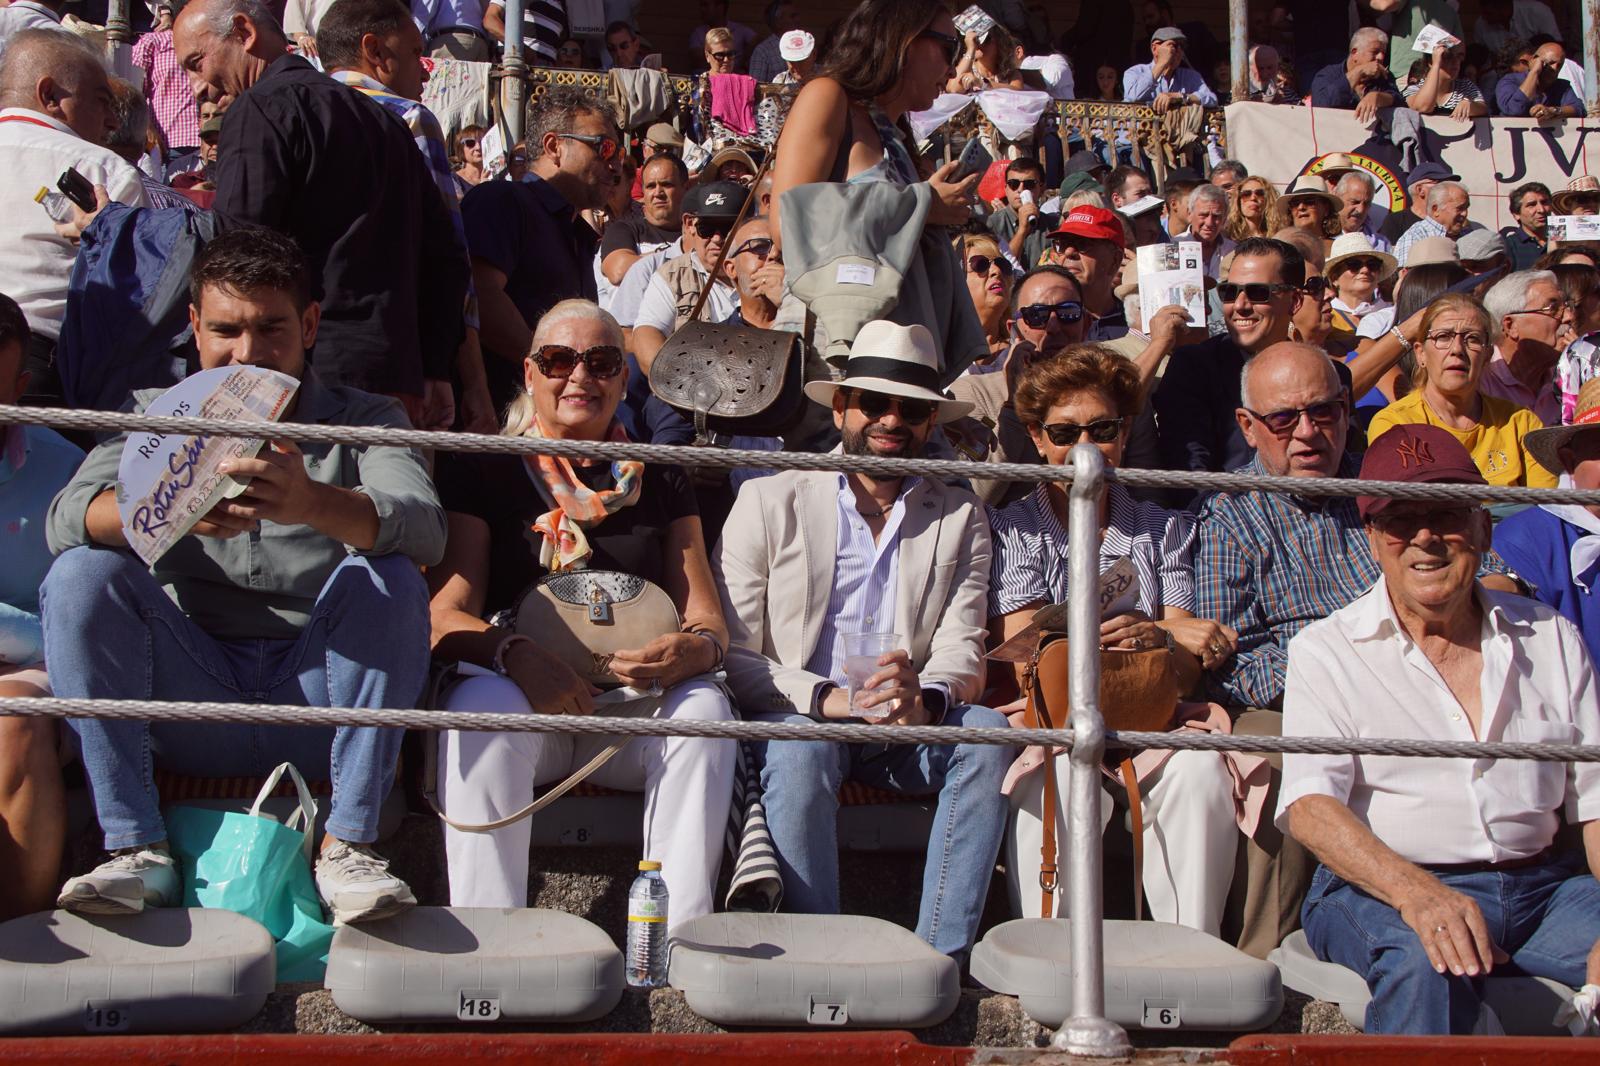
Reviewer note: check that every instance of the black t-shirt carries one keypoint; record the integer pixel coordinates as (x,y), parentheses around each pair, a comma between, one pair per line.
(633,233)
(498,489)
(1396,223)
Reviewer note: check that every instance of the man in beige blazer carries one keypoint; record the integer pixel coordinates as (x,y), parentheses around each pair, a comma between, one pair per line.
(808,559)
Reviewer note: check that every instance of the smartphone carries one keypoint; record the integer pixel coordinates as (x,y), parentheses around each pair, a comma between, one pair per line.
(77,188)
(975,159)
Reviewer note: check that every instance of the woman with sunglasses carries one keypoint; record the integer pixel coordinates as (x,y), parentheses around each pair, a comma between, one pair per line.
(1355,270)
(1454,346)
(721,55)
(989,278)
(512,521)
(466,152)
(1255,201)
(1090,393)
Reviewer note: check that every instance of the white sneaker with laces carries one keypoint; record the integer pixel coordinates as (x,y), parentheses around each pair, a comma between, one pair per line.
(356,886)
(131,880)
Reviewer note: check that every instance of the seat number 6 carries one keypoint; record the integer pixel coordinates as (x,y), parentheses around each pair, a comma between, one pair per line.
(1160,1014)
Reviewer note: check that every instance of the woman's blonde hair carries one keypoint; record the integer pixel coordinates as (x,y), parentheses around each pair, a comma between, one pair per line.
(982,243)
(719,35)
(519,412)
(1445,304)
(1238,228)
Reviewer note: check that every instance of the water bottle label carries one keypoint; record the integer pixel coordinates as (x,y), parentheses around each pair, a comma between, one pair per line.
(646,910)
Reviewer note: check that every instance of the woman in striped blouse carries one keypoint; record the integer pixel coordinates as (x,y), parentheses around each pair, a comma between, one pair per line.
(1090,392)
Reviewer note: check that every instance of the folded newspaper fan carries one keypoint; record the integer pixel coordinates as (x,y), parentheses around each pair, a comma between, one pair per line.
(1118,595)
(167,482)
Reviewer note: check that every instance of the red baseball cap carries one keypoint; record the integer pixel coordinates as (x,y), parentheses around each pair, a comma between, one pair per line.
(1416,453)
(1095,223)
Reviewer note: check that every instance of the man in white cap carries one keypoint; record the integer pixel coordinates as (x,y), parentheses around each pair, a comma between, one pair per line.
(1166,81)
(810,560)
(798,50)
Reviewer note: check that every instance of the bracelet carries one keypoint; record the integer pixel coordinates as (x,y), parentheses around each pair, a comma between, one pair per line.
(1405,345)
(715,643)
(499,661)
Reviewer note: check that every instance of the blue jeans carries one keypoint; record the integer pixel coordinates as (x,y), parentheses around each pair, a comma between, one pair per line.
(112,633)
(1545,917)
(800,786)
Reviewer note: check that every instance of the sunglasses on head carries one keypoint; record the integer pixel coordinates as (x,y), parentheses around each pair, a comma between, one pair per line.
(951,42)
(605,147)
(603,361)
(1278,423)
(912,412)
(1257,292)
(1037,316)
(1063,434)
(980,264)
(1022,183)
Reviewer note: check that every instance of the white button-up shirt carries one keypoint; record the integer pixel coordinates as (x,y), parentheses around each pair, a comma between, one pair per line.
(1357,673)
(35,150)
(866,578)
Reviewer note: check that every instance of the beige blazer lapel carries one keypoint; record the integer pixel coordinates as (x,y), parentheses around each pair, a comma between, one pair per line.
(919,551)
(817,501)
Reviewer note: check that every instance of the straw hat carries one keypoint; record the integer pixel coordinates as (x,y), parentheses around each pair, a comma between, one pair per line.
(1428,251)
(1357,246)
(895,360)
(1546,443)
(1584,186)
(1311,185)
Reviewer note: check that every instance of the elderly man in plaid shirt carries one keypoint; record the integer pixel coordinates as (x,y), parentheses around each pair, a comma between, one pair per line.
(166,86)
(1270,564)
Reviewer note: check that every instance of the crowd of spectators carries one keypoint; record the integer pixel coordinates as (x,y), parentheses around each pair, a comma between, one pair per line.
(337,233)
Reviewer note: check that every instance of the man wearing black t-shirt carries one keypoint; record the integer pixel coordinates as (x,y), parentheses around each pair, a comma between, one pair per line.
(663,180)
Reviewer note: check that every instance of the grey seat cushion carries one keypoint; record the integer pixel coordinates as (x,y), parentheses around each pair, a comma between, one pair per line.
(161,971)
(1157,975)
(811,969)
(447,964)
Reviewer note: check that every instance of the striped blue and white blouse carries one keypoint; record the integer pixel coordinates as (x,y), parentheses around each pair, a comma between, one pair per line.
(1030,552)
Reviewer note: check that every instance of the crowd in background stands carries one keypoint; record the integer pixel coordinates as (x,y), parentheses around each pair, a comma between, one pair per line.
(331,229)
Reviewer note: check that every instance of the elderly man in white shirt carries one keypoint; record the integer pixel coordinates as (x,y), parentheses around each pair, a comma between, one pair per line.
(1437,872)
(55,109)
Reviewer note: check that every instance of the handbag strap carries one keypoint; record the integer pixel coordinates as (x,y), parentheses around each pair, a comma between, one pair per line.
(1130,781)
(1038,714)
(305,813)
(573,780)
(744,209)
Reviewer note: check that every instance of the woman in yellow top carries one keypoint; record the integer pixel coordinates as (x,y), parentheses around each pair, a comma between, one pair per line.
(1452,350)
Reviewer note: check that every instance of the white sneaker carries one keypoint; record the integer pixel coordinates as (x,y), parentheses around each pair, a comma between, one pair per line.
(127,883)
(356,885)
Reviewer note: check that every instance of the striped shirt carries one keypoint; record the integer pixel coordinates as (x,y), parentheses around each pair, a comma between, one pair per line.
(865,577)
(1030,552)
(1460,89)
(543,23)
(166,86)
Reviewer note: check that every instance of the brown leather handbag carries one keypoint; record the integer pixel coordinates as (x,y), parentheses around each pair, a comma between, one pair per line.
(730,378)
(584,617)
(1138,692)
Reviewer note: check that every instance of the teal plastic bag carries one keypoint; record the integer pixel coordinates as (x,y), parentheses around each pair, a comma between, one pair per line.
(259,867)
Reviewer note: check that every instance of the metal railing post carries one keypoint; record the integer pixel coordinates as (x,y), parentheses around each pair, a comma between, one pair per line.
(1087,1032)
(119,38)
(516,72)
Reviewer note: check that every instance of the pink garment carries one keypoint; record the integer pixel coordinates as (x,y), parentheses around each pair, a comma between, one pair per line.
(733,102)
(1250,773)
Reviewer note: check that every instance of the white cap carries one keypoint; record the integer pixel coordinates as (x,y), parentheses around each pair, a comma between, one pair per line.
(796,45)
(1141,205)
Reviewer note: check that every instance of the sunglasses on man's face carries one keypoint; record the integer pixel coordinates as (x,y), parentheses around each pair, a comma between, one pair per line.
(1022,183)
(1315,285)
(1256,292)
(1065,434)
(1281,423)
(912,412)
(605,147)
(1037,316)
(760,247)
(603,361)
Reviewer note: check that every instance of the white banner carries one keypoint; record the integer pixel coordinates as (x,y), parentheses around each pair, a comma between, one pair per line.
(1492,155)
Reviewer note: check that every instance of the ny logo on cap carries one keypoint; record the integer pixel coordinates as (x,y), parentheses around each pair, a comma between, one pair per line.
(1414,451)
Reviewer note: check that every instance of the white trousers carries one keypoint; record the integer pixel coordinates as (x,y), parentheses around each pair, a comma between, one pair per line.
(687,784)
(1190,839)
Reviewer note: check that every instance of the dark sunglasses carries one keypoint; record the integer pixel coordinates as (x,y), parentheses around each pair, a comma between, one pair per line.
(953,43)
(1257,292)
(1316,285)
(605,147)
(760,247)
(724,57)
(1443,522)
(1278,423)
(980,264)
(1022,183)
(1062,434)
(912,412)
(1037,316)
(603,361)
(709,228)
(1353,265)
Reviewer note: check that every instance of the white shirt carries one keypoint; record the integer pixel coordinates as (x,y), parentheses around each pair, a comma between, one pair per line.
(625,298)
(866,575)
(1056,72)
(35,150)
(304,16)
(1376,324)
(659,308)
(26,15)
(1357,673)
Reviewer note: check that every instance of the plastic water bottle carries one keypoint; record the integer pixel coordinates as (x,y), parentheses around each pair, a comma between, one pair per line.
(647,928)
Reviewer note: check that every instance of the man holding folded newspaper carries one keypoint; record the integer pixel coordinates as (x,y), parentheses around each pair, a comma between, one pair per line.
(302,589)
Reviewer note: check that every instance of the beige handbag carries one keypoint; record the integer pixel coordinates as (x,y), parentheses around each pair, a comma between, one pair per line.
(584,617)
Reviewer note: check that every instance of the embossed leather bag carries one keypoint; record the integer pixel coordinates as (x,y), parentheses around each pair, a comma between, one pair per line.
(584,617)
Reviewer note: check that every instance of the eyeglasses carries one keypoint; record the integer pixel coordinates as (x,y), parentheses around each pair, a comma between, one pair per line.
(1252,194)
(603,361)
(1323,414)
(951,42)
(1022,183)
(1037,316)
(1062,434)
(1443,521)
(1445,339)
(1256,292)
(980,264)
(468,142)
(760,247)
(1549,310)
(1372,266)
(912,412)
(605,147)
(1315,285)
(724,57)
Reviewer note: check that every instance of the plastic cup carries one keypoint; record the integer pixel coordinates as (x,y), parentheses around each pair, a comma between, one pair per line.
(861,654)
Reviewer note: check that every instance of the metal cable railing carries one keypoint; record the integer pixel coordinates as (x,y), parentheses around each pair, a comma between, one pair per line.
(1087,1032)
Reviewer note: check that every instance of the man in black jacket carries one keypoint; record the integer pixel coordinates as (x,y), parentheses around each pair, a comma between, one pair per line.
(303,155)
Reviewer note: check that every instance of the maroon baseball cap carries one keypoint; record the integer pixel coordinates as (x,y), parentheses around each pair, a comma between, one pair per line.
(1095,223)
(1417,453)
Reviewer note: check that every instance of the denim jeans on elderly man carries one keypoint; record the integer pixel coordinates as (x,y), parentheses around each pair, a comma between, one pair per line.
(800,782)
(1546,917)
(110,632)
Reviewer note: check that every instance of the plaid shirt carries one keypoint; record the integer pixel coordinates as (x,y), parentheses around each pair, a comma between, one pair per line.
(166,86)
